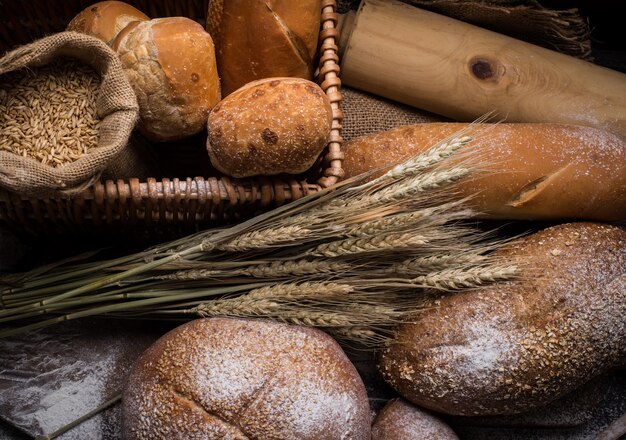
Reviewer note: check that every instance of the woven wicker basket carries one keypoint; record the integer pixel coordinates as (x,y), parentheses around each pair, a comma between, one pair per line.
(177,202)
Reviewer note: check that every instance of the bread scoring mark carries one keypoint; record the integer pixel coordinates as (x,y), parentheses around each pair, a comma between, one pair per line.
(269,137)
(258,92)
(535,188)
(232,426)
(95,11)
(274,83)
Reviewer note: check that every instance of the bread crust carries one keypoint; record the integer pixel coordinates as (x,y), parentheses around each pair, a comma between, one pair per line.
(268,127)
(258,39)
(105,20)
(233,378)
(515,346)
(401,420)
(170,63)
(527,171)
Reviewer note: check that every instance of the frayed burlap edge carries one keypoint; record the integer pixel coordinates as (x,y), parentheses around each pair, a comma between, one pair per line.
(116,104)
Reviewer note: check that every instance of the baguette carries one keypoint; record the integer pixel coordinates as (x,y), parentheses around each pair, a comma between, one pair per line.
(256,39)
(515,346)
(528,171)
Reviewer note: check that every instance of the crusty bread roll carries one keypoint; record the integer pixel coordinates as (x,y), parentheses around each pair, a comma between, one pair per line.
(528,171)
(170,63)
(104,20)
(515,346)
(399,420)
(257,39)
(270,126)
(235,379)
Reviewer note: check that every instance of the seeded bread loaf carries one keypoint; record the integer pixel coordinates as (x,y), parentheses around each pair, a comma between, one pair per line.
(515,346)
(170,62)
(399,420)
(237,379)
(527,171)
(257,39)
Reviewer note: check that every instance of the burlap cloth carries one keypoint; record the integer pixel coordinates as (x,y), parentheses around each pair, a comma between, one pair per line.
(562,29)
(116,105)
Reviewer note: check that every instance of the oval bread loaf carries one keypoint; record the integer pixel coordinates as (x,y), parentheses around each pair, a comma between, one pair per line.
(105,20)
(257,39)
(270,126)
(528,171)
(399,420)
(226,378)
(515,346)
(170,63)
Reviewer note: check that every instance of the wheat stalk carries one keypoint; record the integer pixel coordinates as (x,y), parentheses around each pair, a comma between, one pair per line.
(378,243)
(355,259)
(455,279)
(275,269)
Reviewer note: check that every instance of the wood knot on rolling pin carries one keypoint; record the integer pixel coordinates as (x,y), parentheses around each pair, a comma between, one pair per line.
(483,68)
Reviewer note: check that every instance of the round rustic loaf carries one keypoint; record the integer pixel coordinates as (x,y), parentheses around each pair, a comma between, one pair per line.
(170,63)
(270,126)
(527,171)
(399,420)
(104,20)
(514,346)
(226,378)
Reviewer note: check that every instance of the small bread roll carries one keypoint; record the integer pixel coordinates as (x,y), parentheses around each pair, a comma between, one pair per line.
(105,20)
(170,63)
(270,126)
(399,420)
(234,379)
(515,346)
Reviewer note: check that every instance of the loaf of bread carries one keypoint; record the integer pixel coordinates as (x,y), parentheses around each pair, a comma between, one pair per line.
(270,126)
(257,39)
(399,420)
(518,345)
(104,20)
(236,379)
(527,171)
(170,63)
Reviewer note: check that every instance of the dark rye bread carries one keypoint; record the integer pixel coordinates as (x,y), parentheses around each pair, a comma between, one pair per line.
(399,420)
(244,379)
(518,345)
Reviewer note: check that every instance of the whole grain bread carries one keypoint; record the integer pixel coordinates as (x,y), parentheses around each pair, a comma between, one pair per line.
(518,345)
(399,420)
(227,378)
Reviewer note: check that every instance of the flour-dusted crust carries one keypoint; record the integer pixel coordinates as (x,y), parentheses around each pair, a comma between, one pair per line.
(399,420)
(518,345)
(270,126)
(104,20)
(170,63)
(238,379)
(526,171)
(257,39)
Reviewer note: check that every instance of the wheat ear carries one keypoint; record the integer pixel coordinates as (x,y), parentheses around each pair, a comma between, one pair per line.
(454,279)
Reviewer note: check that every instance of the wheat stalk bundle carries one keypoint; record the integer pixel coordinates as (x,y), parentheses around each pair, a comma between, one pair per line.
(355,260)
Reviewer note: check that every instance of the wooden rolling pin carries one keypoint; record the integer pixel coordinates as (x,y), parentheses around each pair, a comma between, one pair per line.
(463,72)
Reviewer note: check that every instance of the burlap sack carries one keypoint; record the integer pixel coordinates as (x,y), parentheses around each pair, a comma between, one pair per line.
(560,27)
(117,109)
